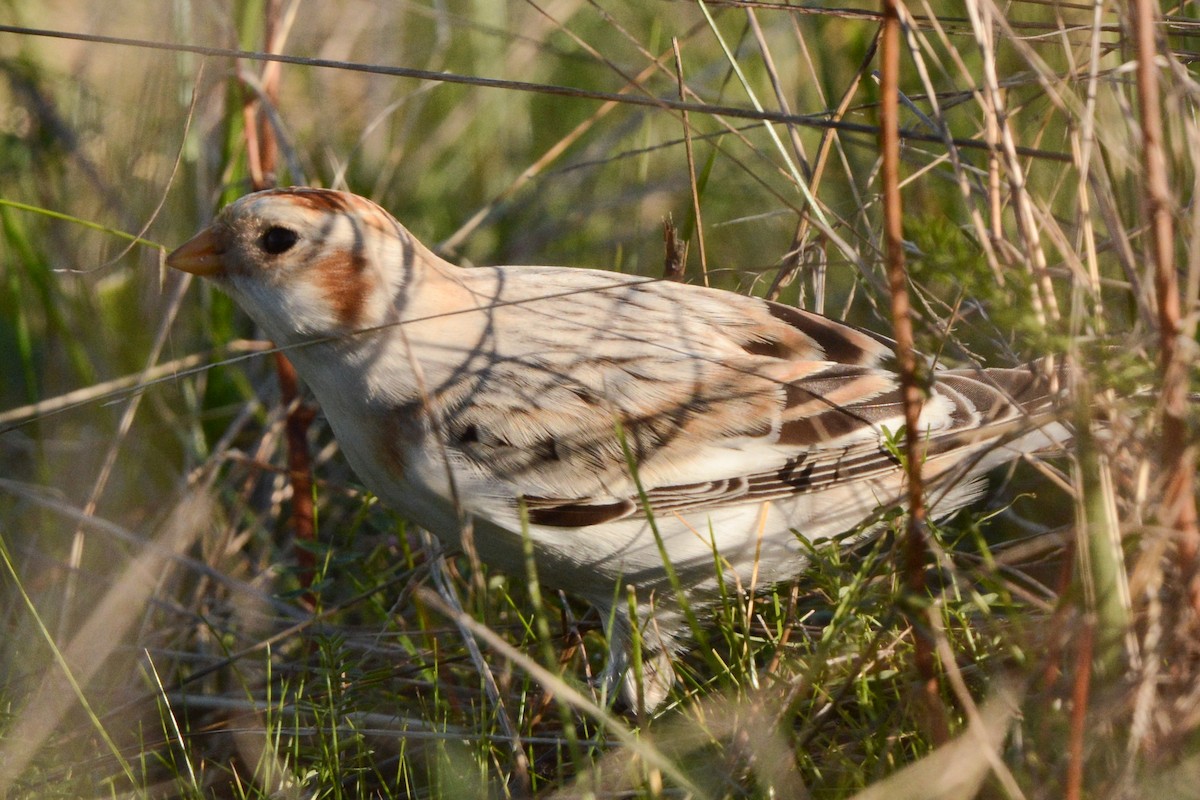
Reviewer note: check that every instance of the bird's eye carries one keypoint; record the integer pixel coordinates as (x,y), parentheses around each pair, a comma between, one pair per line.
(279,240)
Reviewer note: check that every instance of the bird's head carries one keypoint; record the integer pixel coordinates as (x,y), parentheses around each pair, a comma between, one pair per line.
(306,263)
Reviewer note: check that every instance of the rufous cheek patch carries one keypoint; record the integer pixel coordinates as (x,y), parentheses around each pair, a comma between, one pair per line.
(346,282)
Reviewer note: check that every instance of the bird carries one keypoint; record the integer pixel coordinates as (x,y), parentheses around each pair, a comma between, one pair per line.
(637,433)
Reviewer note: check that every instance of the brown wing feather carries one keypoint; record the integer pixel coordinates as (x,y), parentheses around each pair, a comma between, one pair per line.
(988,406)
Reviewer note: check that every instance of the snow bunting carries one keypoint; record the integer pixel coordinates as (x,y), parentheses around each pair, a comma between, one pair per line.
(601,415)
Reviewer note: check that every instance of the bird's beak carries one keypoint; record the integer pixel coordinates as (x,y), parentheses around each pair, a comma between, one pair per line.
(201,255)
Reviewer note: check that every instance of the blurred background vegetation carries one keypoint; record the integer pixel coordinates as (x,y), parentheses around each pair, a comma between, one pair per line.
(158,636)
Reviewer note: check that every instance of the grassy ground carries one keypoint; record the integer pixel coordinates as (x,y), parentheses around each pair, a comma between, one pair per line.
(158,638)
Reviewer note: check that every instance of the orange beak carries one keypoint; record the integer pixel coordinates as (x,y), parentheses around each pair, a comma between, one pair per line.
(201,255)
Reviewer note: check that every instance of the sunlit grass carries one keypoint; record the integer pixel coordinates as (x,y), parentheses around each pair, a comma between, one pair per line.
(215,672)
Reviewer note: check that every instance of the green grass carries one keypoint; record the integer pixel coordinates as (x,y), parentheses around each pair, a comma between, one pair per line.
(165,506)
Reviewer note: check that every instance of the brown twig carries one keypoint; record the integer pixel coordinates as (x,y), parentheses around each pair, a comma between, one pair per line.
(299,418)
(1178,508)
(916,550)
(1079,704)
(262,152)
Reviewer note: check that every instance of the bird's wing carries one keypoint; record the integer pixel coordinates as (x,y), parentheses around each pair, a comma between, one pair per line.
(716,399)
(977,414)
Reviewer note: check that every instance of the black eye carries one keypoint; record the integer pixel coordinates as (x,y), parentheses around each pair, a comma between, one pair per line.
(279,240)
